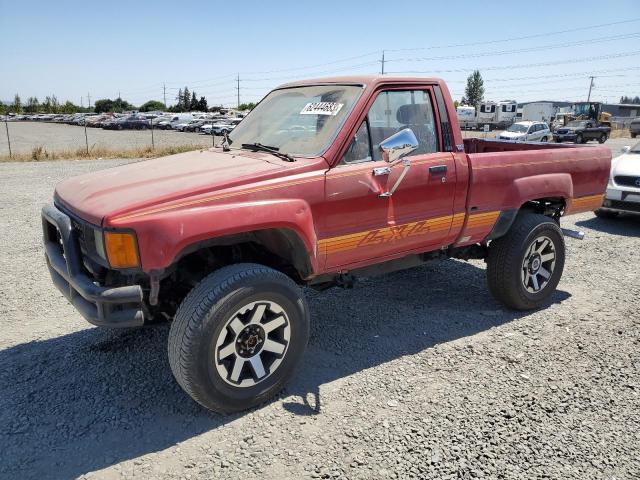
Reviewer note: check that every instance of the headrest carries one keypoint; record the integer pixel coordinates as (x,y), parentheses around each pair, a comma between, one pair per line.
(413,114)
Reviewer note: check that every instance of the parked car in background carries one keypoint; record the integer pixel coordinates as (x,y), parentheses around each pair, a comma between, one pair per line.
(623,190)
(527,132)
(581,131)
(196,125)
(634,128)
(132,122)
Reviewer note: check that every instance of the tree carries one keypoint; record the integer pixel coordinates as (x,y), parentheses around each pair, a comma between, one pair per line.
(108,105)
(474,92)
(246,106)
(17,104)
(33,105)
(202,105)
(456,103)
(193,104)
(152,105)
(186,99)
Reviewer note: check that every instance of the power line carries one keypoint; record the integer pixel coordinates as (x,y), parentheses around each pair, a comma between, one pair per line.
(526,37)
(527,65)
(520,50)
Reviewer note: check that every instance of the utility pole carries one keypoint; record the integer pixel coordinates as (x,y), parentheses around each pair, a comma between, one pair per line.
(164,94)
(81,104)
(590,87)
(88,100)
(382,62)
(238,88)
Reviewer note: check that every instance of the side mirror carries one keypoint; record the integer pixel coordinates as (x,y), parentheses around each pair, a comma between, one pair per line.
(398,145)
(393,149)
(625,149)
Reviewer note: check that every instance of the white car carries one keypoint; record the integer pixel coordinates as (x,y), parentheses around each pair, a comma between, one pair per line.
(219,128)
(623,190)
(527,132)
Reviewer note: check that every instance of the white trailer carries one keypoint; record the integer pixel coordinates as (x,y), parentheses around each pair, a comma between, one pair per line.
(487,114)
(539,112)
(466,116)
(507,111)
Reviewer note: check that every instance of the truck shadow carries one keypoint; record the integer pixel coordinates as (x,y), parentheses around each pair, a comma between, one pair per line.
(626,225)
(109,396)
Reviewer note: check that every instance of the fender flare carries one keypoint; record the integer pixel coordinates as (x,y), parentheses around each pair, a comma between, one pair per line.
(164,237)
(528,189)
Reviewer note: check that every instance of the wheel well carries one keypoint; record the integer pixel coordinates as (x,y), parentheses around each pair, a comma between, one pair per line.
(551,207)
(280,249)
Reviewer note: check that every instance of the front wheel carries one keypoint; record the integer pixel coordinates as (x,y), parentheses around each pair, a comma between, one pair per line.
(524,266)
(579,138)
(543,139)
(238,336)
(603,138)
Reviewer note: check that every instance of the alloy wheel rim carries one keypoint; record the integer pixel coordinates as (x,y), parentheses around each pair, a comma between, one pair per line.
(538,264)
(252,344)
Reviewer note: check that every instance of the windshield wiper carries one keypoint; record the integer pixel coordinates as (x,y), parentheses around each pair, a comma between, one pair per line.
(266,148)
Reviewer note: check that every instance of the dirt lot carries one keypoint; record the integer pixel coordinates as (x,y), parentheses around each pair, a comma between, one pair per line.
(25,136)
(418,374)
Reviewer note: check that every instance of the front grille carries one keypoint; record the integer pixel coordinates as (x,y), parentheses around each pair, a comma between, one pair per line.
(627,180)
(628,206)
(563,132)
(81,234)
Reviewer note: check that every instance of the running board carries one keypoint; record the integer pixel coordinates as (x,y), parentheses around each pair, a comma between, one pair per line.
(578,235)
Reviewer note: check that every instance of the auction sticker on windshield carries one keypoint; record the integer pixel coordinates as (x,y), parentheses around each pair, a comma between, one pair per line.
(322,108)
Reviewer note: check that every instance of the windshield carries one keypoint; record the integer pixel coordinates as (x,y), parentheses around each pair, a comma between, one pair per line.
(576,124)
(299,120)
(518,128)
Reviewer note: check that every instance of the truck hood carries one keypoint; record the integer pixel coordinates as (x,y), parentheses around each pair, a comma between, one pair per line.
(127,188)
(627,164)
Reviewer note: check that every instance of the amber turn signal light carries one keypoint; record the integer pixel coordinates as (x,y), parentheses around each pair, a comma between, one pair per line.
(122,249)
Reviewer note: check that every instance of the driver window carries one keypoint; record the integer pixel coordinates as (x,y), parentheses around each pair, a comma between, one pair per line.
(396,110)
(360,148)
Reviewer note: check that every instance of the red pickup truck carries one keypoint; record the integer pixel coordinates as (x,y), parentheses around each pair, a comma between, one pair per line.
(324,181)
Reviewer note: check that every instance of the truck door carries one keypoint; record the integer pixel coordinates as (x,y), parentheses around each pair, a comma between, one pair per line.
(360,225)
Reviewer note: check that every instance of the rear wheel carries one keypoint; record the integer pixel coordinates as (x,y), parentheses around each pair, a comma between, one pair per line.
(238,336)
(602,138)
(524,267)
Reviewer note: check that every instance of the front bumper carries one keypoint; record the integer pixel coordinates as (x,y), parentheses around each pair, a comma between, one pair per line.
(564,137)
(621,200)
(102,306)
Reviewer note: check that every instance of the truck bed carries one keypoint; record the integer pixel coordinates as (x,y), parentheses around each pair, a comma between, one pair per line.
(505,175)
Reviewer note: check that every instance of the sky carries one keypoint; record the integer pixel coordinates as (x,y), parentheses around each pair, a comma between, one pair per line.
(91,50)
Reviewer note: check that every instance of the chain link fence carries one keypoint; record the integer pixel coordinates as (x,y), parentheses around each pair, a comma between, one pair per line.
(34,140)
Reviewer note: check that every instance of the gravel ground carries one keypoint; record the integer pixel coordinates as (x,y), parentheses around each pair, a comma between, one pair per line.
(417,374)
(25,136)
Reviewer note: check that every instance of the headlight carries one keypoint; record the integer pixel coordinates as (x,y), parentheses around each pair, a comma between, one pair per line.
(121,249)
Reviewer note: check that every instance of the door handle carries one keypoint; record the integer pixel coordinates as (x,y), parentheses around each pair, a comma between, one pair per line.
(379,171)
(436,169)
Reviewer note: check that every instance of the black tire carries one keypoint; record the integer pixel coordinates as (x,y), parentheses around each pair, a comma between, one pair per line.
(633,135)
(602,138)
(507,256)
(543,139)
(606,214)
(206,313)
(197,129)
(119,127)
(579,138)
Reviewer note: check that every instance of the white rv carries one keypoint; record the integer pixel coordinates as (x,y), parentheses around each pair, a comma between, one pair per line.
(539,112)
(507,111)
(466,116)
(487,114)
